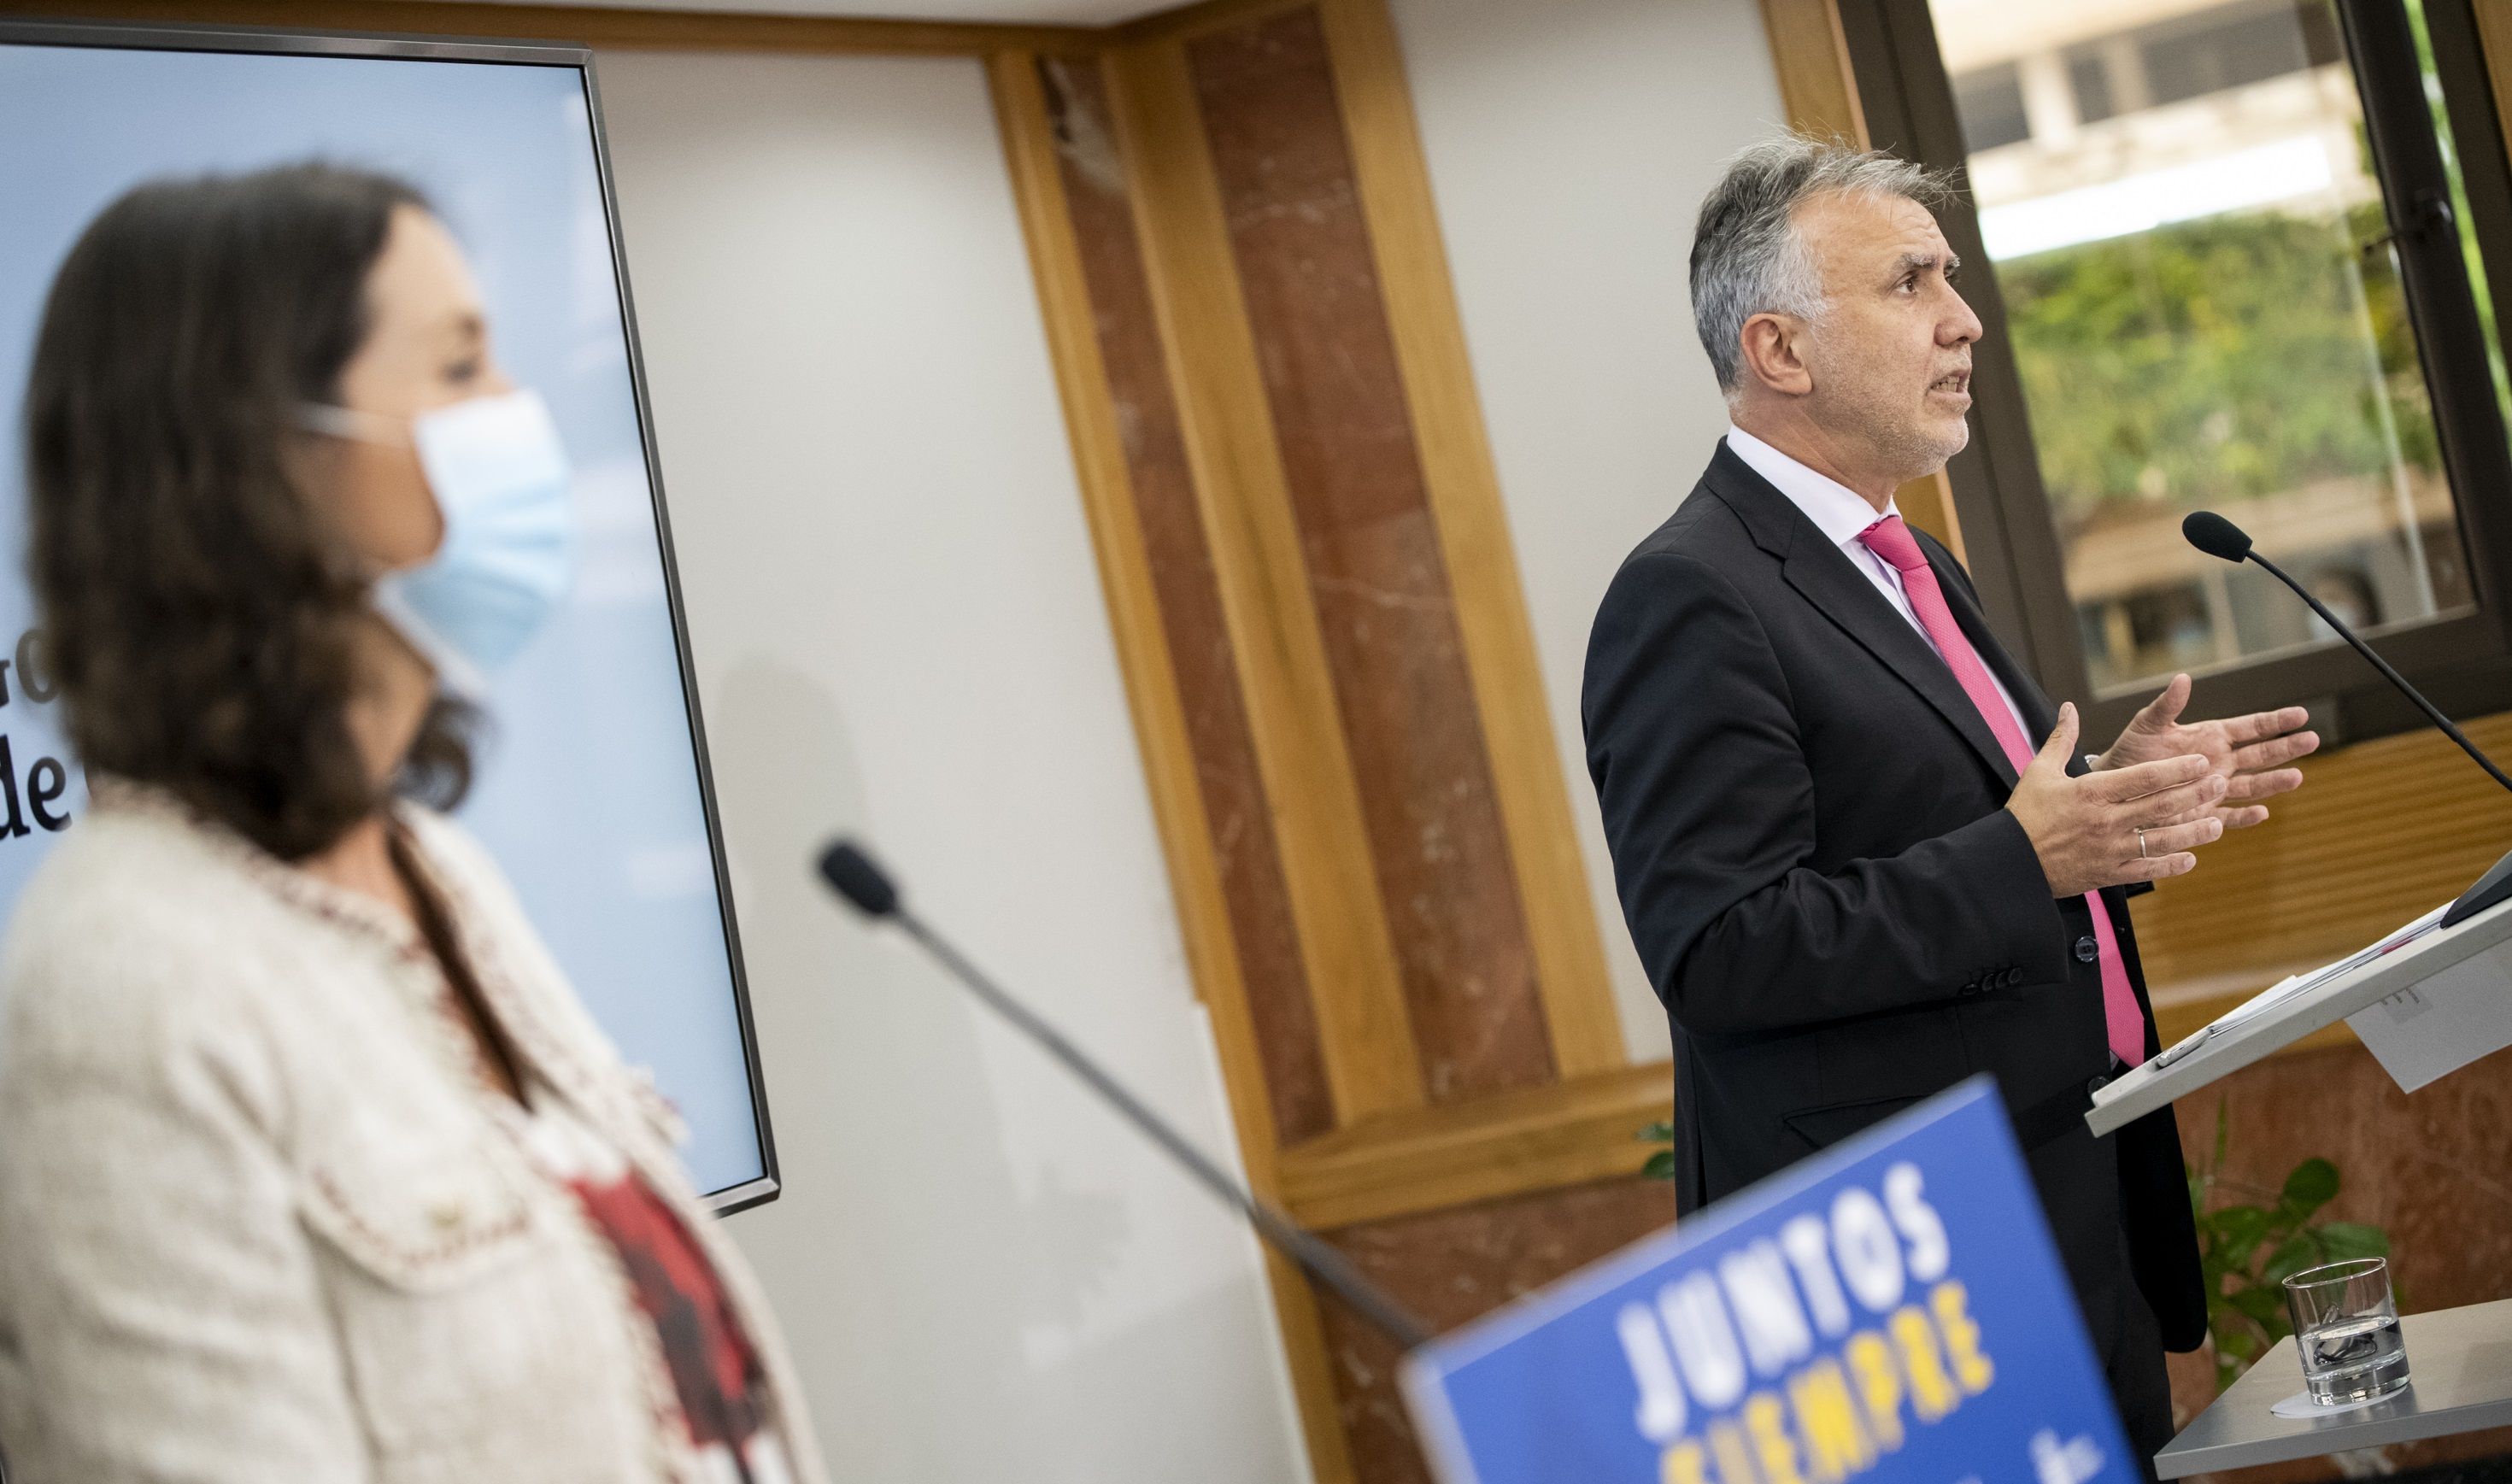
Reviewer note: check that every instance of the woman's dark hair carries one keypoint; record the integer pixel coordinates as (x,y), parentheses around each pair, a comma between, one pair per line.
(198,605)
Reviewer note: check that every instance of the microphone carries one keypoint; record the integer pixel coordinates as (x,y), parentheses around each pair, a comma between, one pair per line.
(2218,537)
(853,872)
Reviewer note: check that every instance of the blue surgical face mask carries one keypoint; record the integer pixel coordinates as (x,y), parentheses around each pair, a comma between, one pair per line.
(499,475)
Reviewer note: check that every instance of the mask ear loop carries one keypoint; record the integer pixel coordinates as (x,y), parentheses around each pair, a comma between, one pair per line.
(456,675)
(351,425)
(348,423)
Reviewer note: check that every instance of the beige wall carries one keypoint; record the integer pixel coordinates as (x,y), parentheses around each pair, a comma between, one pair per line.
(898,630)
(1569,144)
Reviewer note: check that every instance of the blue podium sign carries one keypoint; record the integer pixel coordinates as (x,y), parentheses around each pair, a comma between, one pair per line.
(1891,1309)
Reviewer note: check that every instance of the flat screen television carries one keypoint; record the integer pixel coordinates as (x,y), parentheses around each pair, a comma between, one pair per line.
(591,790)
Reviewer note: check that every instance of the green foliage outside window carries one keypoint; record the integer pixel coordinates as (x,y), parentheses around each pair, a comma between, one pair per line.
(2212,361)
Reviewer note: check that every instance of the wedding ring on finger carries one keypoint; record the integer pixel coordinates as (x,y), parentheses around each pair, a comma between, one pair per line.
(2140,844)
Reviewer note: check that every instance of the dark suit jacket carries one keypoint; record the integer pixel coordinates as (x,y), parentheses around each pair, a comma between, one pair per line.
(1811,845)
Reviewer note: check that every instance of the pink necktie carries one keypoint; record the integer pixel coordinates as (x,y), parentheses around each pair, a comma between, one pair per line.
(1891,540)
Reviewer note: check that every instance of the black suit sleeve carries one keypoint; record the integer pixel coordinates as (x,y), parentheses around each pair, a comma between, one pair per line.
(1708,806)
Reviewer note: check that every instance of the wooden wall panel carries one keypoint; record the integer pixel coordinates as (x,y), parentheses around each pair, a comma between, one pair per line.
(1375,572)
(1204,669)
(1810,57)
(1262,564)
(1394,181)
(1541,1138)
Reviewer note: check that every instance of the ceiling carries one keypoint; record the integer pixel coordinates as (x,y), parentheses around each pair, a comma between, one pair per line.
(1028,12)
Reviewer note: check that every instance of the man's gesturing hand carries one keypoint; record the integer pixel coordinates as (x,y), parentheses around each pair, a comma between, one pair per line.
(2084,830)
(2250,751)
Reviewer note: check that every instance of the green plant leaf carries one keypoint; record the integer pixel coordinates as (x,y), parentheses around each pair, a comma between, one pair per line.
(2346,1240)
(2304,1249)
(2312,1184)
(1660,1166)
(2261,1303)
(2235,1222)
(1656,1133)
(2237,1342)
(2240,1229)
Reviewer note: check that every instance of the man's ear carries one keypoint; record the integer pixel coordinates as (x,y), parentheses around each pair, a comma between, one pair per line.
(1771,345)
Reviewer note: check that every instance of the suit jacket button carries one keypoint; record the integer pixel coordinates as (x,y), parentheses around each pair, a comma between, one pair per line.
(2096,1086)
(2087,951)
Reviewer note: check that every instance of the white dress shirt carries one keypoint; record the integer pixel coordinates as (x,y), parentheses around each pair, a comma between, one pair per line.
(1842,515)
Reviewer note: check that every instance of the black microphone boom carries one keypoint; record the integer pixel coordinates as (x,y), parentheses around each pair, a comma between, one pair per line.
(2216,536)
(856,876)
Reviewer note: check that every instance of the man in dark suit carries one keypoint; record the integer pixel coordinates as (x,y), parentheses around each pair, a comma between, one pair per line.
(1858,850)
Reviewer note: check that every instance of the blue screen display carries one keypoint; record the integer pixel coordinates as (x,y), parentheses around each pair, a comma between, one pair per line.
(589,788)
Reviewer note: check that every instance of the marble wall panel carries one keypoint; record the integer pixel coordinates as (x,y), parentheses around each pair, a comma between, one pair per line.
(1376,573)
(1452,1265)
(1243,842)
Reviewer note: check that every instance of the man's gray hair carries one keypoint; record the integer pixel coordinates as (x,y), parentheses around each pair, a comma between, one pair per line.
(1748,257)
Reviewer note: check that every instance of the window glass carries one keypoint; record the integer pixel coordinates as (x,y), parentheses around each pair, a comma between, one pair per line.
(2189,239)
(1992,104)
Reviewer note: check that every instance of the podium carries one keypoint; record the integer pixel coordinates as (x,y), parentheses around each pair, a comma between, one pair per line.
(2425,1000)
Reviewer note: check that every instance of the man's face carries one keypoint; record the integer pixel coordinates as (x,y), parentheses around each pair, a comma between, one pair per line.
(1890,361)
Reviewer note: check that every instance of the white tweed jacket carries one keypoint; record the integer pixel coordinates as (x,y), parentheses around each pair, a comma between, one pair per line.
(259,1219)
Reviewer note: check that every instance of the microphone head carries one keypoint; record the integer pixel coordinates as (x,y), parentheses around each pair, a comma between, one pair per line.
(855,875)
(2216,536)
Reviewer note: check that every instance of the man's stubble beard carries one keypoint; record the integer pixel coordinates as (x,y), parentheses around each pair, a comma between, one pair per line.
(1905,445)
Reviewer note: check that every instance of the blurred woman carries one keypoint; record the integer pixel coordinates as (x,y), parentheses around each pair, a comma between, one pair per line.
(312,1167)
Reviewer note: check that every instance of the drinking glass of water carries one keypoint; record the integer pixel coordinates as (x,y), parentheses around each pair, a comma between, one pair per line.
(2346,1324)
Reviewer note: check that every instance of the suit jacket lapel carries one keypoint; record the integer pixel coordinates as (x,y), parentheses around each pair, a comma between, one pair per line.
(1822,574)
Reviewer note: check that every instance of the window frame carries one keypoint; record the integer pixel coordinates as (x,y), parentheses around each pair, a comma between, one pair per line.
(2009,533)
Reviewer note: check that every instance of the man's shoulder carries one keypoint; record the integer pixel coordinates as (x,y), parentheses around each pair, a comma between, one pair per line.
(1704,540)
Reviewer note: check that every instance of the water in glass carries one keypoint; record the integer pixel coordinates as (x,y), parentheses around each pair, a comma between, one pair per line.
(2346,1325)
(2354,1360)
